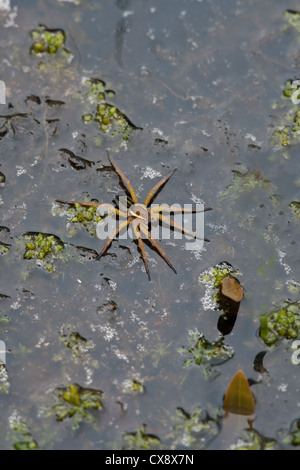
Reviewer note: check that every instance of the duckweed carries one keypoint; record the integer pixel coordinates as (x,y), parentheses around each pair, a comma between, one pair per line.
(77,403)
(110,119)
(86,216)
(48,41)
(283,323)
(216,274)
(281,136)
(212,279)
(42,247)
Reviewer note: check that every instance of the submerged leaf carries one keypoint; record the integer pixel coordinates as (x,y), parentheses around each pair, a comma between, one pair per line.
(239,398)
(232,289)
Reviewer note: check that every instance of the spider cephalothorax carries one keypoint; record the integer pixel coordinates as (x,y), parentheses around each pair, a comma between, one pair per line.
(140,216)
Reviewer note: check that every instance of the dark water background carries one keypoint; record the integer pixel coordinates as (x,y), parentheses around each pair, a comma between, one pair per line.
(201,80)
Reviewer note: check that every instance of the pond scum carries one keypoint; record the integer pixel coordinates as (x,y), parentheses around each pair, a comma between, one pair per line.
(75,404)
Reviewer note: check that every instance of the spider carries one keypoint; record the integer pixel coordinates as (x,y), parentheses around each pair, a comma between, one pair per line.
(140,216)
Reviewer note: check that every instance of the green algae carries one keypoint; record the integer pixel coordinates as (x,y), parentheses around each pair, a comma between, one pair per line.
(48,41)
(42,247)
(76,343)
(244,182)
(212,279)
(141,440)
(253,440)
(133,386)
(4,379)
(292,435)
(20,434)
(4,248)
(81,216)
(110,120)
(282,323)
(216,274)
(293,18)
(77,403)
(295,208)
(286,131)
(193,429)
(202,352)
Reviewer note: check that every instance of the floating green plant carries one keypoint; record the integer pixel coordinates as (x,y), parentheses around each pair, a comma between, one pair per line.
(212,278)
(110,119)
(253,440)
(202,352)
(76,343)
(77,403)
(292,436)
(193,429)
(21,433)
(216,274)
(245,181)
(48,41)
(42,247)
(160,351)
(140,440)
(282,323)
(133,386)
(281,136)
(84,216)
(295,207)
(293,18)
(4,248)
(287,130)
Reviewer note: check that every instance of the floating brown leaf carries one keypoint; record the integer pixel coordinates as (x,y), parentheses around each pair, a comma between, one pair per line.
(232,289)
(239,398)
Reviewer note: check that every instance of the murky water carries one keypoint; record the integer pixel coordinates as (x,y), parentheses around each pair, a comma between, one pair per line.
(189,84)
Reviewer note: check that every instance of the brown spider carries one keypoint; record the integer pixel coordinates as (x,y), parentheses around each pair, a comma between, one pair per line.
(139,216)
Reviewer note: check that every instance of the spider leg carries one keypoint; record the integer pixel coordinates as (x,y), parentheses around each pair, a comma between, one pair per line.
(114,210)
(120,226)
(95,204)
(125,181)
(151,194)
(163,255)
(184,230)
(141,244)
